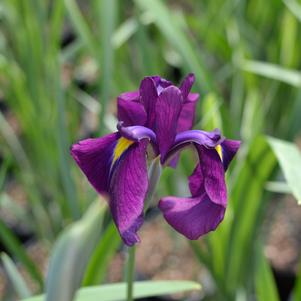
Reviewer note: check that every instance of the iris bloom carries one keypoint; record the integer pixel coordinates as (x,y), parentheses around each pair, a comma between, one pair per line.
(161,115)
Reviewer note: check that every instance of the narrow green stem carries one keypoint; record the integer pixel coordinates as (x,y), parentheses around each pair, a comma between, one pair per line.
(130,273)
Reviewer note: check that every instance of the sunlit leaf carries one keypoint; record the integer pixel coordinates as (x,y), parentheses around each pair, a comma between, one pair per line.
(71,254)
(294,7)
(117,291)
(289,157)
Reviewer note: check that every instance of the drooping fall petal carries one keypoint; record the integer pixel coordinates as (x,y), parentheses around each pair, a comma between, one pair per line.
(192,217)
(94,156)
(195,216)
(128,188)
(213,175)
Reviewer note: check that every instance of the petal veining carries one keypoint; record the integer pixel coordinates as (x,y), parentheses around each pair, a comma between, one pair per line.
(130,112)
(94,157)
(192,217)
(168,109)
(149,95)
(186,85)
(213,175)
(128,188)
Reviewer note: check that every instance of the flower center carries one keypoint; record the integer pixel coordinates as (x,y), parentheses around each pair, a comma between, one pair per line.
(219,151)
(122,145)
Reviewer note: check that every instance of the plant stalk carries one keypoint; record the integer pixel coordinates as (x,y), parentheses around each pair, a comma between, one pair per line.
(131,273)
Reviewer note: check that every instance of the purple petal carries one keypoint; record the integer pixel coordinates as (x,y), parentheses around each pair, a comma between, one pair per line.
(213,176)
(229,149)
(193,97)
(129,111)
(161,83)
(186,118)
(94,157)
(168,109)
(136,133)
(130,96)
(128,190)
(149,97)
(185,122)
(186,85)
(208,139)
(192,217)
(202,212)
(196,181)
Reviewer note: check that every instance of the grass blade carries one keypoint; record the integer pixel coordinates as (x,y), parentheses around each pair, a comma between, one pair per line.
(105,250)
(81,27)
(16,249)
(291,77)
(297,289)
(172,30)
(106,15)
(15,277)
(264,281)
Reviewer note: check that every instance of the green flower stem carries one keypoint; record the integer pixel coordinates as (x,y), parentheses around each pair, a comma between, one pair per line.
(154,175)
(130,273)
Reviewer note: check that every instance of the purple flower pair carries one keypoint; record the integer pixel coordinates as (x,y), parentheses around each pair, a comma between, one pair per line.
(161,115)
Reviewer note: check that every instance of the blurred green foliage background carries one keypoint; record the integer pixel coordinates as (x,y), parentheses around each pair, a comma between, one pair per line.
(62,65)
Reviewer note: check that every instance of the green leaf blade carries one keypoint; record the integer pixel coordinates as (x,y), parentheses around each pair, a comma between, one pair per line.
(289,157)
(15,277)
(117,291)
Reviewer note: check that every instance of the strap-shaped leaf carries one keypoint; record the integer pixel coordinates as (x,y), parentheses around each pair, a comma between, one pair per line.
(289,157)
(117,291)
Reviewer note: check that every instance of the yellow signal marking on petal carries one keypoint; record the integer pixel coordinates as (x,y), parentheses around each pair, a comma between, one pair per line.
(122,145)
(219,151)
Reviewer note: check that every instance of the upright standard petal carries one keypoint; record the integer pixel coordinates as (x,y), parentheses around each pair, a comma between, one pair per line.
(187,114)
(186,119)
(186,85)
(149,95)
(128,188)
(168,109)
(161,83)
(189,104)
(95,157)
(130,96)
(129,110)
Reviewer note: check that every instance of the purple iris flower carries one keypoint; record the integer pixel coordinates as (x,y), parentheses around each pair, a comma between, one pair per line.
(159,115)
